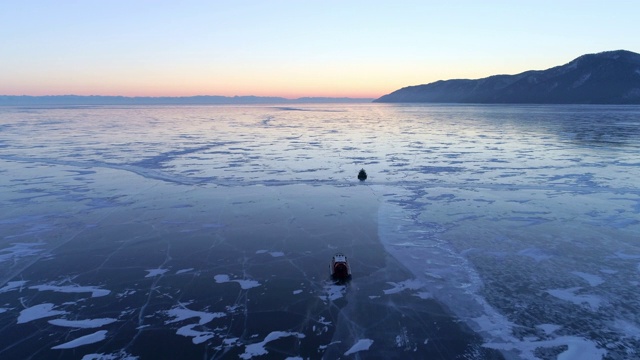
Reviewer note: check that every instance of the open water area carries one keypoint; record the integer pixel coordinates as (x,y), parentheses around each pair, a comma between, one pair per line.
(206,232)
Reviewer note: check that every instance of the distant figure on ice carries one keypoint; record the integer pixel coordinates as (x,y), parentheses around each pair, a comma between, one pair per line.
(362,175)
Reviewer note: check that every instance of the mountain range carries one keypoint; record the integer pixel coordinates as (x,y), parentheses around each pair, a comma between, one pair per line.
(611,77)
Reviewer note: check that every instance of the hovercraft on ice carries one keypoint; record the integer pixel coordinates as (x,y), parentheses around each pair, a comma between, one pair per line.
(340,269)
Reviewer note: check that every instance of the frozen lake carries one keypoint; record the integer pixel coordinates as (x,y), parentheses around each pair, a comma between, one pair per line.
(482,232)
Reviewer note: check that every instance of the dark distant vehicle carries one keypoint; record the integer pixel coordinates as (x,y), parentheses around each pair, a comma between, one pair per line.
(340,269)
(362,175)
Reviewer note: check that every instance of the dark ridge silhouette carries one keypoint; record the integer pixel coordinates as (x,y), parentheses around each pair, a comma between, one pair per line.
(611,77)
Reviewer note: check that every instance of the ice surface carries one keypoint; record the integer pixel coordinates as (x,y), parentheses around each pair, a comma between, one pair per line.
(481,231)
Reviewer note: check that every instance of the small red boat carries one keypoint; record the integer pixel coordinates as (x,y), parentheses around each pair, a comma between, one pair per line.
(340,268)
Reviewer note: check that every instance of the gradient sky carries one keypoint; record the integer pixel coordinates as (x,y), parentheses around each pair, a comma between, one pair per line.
(292,48)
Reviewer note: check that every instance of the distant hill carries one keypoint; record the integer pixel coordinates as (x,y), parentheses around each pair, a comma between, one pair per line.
(611,77)
(61,100)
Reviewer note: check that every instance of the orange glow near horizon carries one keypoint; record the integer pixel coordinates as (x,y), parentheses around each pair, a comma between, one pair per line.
(291,49)
(144,92)
(169,86)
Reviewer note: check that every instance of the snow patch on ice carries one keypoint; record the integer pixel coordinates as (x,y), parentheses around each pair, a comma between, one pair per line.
(221,278)
(12,285)
(593,280)
(411,284)
(497,327)
(625,256)
(272,253)
(198,337)
(608,271)
(83,340)
(361,345)
(296,292)
(444,271)
(121,355)
(578,348)
(333,292)
(95,291)
(536,254)
(155,272)
(19,250)
(424,295)
(182,271)
(548,328)
(180,313)
(258,349)
(627,328)
(570,295)
(82,324)
(244,283)
(39,311)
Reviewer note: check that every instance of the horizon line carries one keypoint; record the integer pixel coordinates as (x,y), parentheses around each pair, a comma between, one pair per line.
(195,96)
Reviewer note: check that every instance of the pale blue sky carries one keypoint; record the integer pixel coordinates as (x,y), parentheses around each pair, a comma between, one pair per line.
(292,48)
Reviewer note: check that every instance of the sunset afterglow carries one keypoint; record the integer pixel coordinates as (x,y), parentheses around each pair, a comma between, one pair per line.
(292,48)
